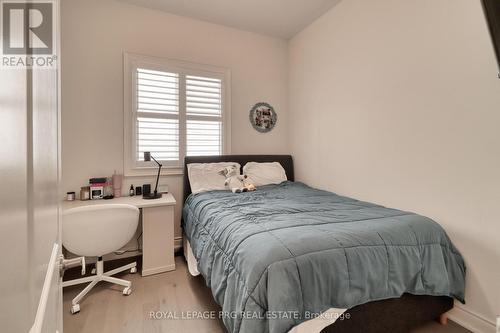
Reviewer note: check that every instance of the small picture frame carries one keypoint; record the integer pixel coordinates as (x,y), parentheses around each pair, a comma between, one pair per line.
(263,117)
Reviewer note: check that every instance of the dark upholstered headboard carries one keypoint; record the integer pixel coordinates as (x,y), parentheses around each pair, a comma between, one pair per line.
(285,161)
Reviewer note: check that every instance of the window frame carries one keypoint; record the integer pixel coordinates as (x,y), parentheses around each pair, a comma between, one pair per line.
(131,62)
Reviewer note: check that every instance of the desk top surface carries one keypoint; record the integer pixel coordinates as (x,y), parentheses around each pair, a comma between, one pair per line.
(167,199)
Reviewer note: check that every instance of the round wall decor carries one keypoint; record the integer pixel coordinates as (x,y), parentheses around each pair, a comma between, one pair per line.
(263,117)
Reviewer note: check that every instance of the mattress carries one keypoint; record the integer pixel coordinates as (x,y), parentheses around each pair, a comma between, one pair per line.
(278,256)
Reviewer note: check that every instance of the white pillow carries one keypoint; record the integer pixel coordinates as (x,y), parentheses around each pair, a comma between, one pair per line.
(206,176)
(264,173)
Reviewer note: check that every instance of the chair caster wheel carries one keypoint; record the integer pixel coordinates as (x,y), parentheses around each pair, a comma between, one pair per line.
(93,271)
(75,309)
(133,270)
(127,291)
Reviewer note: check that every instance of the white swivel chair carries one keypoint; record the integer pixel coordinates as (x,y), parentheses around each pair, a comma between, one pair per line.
(94,231)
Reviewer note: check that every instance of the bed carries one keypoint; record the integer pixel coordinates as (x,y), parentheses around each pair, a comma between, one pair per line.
(279,256)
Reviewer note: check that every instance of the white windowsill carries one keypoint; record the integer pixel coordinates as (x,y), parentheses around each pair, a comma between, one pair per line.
(145,172)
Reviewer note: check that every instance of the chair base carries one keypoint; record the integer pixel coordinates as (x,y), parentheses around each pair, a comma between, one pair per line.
(100,276)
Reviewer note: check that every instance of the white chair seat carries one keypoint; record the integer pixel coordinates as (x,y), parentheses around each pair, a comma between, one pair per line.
(94,231)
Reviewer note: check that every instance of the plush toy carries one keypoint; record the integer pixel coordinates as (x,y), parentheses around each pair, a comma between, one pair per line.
(247,185)
(234,181)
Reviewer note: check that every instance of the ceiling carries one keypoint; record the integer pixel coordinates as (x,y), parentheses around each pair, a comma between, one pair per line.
(278,18)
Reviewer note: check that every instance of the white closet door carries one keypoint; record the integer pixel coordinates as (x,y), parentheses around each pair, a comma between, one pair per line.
(30,245)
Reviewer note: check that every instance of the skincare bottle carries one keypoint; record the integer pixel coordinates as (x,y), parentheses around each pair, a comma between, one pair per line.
(131,191)
(85,193)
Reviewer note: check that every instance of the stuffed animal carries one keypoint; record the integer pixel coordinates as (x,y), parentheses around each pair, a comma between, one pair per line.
(247,185)
(234,181)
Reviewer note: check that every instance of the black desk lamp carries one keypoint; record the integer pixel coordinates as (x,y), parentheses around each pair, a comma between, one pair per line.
(155,194)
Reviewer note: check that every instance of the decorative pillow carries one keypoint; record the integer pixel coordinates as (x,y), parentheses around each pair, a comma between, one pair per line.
(205,177)
(264,173)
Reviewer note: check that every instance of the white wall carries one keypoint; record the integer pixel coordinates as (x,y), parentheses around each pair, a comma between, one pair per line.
(95,33)
(397,102)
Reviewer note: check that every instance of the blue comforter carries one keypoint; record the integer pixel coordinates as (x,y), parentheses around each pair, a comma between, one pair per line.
(278,255)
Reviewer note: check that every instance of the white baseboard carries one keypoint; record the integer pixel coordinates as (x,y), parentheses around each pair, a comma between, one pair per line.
(177,243)
(471,321)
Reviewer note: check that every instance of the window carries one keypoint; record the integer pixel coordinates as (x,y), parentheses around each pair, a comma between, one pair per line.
(173,109)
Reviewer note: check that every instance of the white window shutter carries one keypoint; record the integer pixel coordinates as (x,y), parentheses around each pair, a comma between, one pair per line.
(157,92)
(177,114)
(158,136)
(157,114)
(203,116)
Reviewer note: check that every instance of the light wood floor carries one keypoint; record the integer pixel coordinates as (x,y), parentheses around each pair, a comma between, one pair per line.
(105,309)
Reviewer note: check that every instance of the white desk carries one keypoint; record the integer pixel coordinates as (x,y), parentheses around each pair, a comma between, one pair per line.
(157,229)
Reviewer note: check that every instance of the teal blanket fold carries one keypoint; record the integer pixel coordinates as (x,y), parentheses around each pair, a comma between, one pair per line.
(277,256)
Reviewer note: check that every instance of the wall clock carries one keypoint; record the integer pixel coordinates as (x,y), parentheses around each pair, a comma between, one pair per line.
(263,117)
